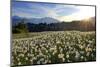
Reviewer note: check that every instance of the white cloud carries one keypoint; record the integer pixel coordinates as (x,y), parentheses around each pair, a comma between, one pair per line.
(54,12)
(85,12)
(50,13)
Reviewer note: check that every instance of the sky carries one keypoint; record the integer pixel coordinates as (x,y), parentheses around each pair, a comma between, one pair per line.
(61,12)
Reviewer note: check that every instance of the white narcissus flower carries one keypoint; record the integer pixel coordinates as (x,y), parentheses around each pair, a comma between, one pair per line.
(49,61)
(63,59)
(31,60)
(54,52)
(81,46)
(19,63)
(88,53)
(82,57)
(26,58)
(34,58)
(67,56)
(90,41)
(60,55)
(61,44)
(38,62)
(77,55)
(88,49)
(58,42)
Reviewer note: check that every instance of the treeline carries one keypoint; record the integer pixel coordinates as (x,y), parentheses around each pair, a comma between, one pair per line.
(20,27)
(23,27)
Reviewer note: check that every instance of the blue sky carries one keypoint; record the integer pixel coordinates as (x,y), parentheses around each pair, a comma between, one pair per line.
(58,11)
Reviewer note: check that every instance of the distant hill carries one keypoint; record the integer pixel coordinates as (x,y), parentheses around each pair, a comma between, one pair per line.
(15,20)
(48,20)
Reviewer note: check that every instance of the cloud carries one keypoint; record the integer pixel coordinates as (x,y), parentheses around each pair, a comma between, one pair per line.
(83,13)
(58,11)
(33,10)
(66,9)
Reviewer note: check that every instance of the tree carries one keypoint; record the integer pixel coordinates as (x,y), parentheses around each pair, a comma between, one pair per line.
(21,27)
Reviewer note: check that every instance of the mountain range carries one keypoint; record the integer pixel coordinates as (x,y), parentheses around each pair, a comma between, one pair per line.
(48,20)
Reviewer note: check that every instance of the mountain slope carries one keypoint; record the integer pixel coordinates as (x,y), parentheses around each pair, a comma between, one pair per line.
(48,20)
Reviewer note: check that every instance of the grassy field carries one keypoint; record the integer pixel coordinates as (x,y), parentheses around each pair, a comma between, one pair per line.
(53,47)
